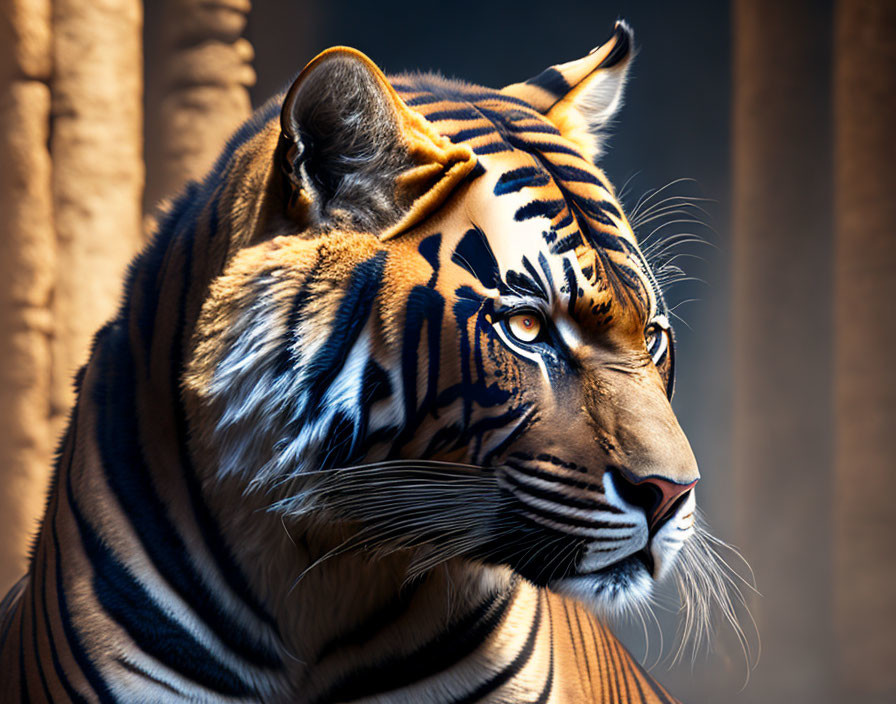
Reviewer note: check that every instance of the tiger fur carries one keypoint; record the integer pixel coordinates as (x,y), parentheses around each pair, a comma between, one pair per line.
(384,416)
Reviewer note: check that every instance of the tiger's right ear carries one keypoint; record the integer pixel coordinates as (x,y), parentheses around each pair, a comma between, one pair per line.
(354,155)
(581,97)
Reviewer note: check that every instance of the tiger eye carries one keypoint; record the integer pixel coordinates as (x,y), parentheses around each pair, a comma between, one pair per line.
(525,327)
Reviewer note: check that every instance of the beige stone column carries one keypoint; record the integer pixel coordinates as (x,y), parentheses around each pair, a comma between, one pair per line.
(97,171)
(865,352)
(782,337)
(201,94)
(27,253)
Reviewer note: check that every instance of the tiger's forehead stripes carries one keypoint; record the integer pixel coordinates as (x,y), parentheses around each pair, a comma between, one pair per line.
(588,240)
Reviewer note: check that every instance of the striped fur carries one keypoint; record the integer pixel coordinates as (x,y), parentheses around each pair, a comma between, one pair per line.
(311,461)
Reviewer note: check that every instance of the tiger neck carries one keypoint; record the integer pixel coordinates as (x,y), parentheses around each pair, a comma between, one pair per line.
(333,607)
(290,616)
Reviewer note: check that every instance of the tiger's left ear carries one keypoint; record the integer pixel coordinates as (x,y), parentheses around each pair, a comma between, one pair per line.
(353,155)
(581,97)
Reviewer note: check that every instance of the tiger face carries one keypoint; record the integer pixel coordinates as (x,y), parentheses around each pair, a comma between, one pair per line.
(435,330)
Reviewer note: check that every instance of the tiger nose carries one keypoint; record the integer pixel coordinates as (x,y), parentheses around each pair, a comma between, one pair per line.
(656,495)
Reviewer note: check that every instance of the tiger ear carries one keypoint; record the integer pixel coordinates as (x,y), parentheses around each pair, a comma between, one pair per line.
(581,97)
(354,155)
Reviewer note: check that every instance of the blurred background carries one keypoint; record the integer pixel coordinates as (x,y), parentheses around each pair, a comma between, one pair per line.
(779,113)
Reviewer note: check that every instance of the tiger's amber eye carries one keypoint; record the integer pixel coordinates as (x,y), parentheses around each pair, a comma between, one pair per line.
(525,327)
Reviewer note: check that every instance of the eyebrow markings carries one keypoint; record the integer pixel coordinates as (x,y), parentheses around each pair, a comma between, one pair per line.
(546,268)
(474,254)
(517,179)
(533,272)
(540,208)
(572,284)
(528,283)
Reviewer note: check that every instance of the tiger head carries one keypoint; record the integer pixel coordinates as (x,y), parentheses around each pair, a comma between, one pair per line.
(434,329)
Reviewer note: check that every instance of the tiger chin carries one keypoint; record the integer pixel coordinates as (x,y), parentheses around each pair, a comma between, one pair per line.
(384,416)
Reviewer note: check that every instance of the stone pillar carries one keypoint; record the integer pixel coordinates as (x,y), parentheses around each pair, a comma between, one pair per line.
(782,337)
(865,348)
(97,172)
(201,89)
(27,253)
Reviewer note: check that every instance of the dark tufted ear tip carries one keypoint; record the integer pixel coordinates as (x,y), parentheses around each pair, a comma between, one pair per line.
(624,38)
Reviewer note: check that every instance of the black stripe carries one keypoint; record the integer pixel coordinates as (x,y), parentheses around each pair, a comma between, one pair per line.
(492,148)
(348,322)
(619,659)
(472,133)
(23,676)
(551,459)
(519,429)
(545,694)
(147,273)
(129,478)
(38,661)
(459,113)
(474,253)
(559,478)
(572,284)
(565,221)
(512,669)
(543,147)
(568,243)
(43,569)
(574,502)
(286,359)
(540,208)
(429,249)
(574,174)
(552,81)
(536,128)
(535,275)
(562,519)
(612,665)
(91,673)
(595,209)
(127,602)
(581,639)
(546,269)
(7,606)
(450,647)
(485,96)
(517,179)
(424,99)
(228,568)
(641,697)
(654,685)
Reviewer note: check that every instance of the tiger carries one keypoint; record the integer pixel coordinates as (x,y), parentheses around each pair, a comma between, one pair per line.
(384,416)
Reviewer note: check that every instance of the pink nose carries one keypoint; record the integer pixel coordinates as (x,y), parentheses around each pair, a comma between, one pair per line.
(656,495)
